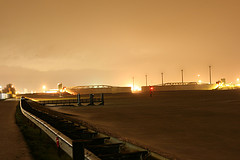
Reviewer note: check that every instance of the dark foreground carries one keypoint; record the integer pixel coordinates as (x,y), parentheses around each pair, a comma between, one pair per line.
(12,144)
(184,124)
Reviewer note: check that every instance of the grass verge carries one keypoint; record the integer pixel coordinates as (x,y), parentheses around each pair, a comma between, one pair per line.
(41,146)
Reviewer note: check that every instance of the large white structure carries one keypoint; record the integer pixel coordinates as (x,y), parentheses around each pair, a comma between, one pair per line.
(180,86)
(97,89)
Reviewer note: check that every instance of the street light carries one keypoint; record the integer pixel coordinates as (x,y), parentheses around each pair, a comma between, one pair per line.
(44,88)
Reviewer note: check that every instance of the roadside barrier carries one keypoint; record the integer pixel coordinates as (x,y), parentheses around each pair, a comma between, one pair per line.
(92,100)
(73,148)
(77,140)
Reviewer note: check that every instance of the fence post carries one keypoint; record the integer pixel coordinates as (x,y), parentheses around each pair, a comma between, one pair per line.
(79,99)
(78,150)
(91,99)
(102,99)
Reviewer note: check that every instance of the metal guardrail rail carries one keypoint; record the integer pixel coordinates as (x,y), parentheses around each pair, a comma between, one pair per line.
(78,100)
(71,147)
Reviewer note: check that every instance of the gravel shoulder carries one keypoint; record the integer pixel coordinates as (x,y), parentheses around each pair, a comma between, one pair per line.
(12,144)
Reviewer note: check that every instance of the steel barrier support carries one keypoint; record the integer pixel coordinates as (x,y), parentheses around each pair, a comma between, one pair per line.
(102,99)
(79,100)
(91,96)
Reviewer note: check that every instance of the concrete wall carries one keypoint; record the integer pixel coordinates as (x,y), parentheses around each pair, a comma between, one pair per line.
(180,87)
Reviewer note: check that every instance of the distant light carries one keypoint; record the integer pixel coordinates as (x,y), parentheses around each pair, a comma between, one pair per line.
(198,75)
(237,79)
(43,87)
(151,88)
(135,89)
(199,81)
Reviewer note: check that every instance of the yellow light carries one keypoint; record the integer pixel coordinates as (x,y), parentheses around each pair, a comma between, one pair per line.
(237,79)
(43,87)
(199,81)
(135,89)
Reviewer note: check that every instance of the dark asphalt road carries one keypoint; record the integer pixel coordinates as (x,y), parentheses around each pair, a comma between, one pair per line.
(12,144)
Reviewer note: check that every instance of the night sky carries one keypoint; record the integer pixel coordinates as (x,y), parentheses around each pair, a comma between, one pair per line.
(82,42)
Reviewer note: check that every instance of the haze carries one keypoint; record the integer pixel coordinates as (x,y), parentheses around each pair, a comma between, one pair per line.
(108,42)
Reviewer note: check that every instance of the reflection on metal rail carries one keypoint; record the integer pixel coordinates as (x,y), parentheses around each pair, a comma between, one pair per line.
(72,147)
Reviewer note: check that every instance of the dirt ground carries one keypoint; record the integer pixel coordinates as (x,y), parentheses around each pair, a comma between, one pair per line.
(189,125)
(12,144)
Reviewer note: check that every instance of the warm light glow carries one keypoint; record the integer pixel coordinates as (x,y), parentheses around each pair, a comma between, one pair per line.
(237,79)
(136,88)
(198,75)
(199,81)
(44,87)
(52,91)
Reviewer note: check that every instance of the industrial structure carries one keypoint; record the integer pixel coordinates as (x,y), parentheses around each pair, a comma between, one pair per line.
(93,89)
(180,86)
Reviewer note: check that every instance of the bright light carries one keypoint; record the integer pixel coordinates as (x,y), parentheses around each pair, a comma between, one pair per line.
(237,79)
(199,81)
(136,88)
(44,87)
(198,75)
(51,91)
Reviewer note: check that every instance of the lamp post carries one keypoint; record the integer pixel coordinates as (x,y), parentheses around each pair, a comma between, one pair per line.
(210,74)
(182,76)
(146,79)
(162,78)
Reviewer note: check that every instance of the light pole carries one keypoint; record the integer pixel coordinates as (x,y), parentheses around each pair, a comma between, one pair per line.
(146,79)
(182,75)
(210,74)
(133,84)
(162,78)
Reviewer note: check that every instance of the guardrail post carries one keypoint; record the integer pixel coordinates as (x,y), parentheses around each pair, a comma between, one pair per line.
(78,150)
(79,100)
(102,99)
(91,99)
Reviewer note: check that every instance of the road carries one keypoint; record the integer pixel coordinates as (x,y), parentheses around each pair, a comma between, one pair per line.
(188,125)
(12,144)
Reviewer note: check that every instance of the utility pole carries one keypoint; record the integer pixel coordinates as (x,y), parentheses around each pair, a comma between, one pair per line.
(182,76)
(133,84)
(162,78)
(210,74)
(146,79)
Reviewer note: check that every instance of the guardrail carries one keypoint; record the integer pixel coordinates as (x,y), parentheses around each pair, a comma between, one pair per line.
(90,101)
(73,148)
